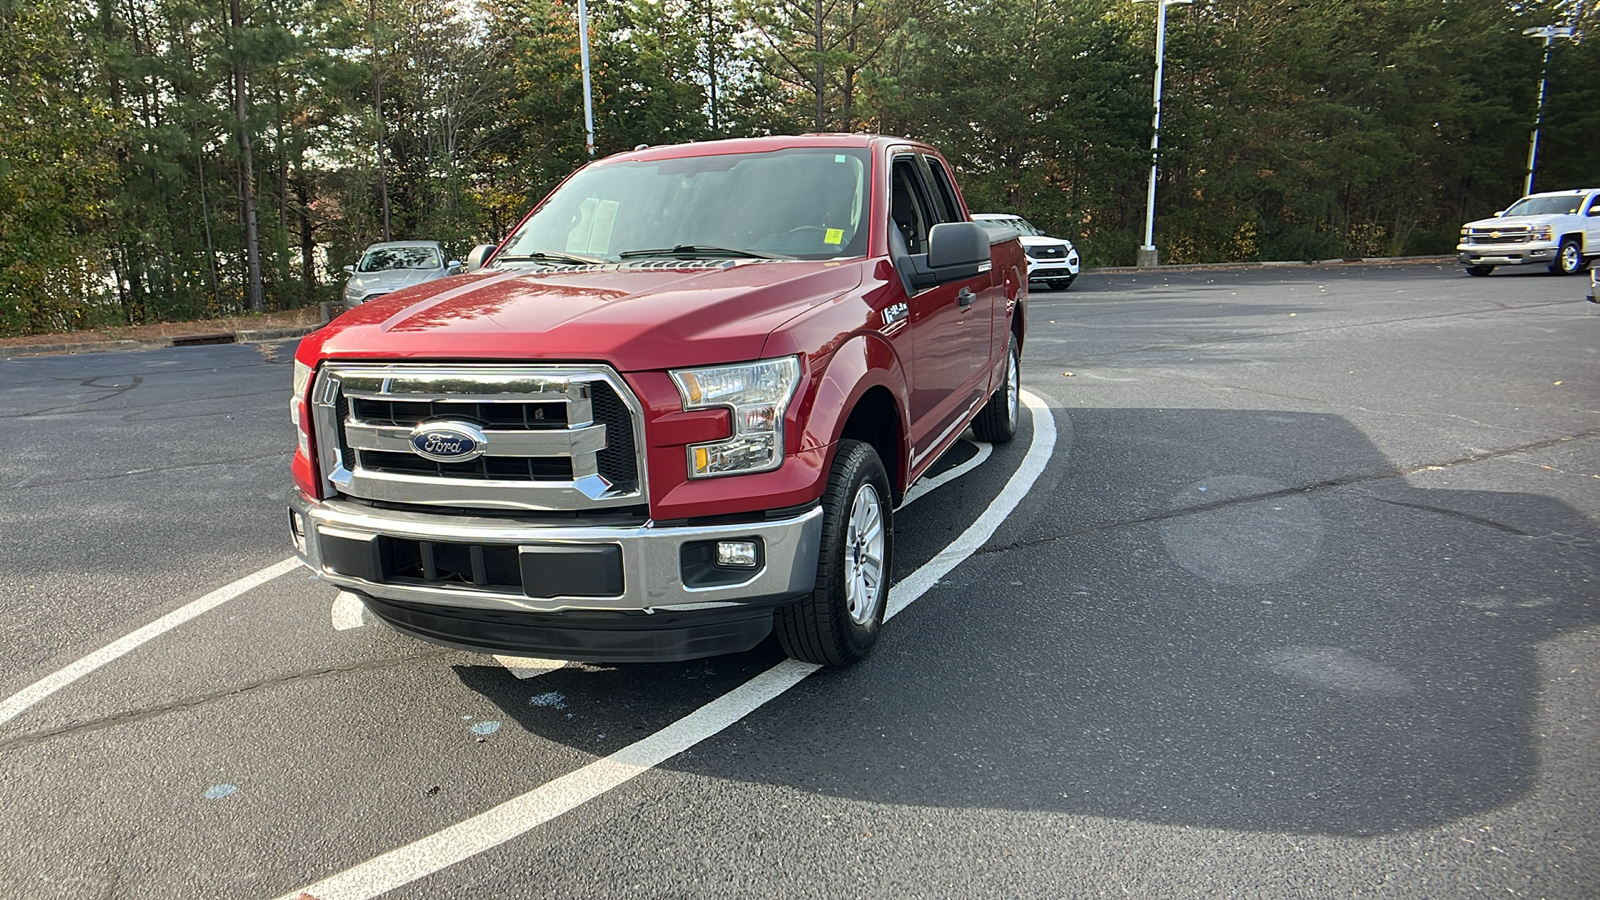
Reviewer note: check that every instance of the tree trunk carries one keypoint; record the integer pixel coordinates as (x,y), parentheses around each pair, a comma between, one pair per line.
(822,124)
(247,179)
(205,218)
(377,108)
(711,63)
(308,243)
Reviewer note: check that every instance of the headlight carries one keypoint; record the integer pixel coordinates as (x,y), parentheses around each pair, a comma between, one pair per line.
(758,393)
(1464,230)
(1542,232)
(297,403)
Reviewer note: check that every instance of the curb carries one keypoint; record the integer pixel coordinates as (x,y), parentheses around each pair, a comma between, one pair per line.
(242,336)
(1274,264)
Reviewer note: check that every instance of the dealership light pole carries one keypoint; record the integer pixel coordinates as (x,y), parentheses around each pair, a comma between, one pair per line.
(1548,32)
(1147,252)
(583,53)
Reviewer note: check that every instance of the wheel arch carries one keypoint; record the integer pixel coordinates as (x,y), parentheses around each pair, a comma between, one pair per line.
(860,396)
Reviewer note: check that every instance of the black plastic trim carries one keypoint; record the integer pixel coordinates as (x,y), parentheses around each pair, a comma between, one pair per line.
(589,637)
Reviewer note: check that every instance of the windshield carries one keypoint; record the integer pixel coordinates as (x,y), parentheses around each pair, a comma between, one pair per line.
(1546,206)
(385,258)
(794,204)
(1014,222)
(1026,227)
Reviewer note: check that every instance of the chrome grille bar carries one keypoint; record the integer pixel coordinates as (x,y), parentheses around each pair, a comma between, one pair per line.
(533,459)
(585,440)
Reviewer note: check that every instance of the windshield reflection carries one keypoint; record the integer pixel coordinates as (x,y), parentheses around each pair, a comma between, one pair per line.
(784,204)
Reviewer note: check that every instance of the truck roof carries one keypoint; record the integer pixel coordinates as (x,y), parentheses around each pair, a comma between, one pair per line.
(763,144)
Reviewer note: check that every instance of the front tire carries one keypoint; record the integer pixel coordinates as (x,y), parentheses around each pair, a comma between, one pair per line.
(1479,271)
(838,623)
(997,421)
(1569,259)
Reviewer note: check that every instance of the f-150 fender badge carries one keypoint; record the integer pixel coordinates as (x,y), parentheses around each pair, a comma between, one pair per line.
(895,312)
(448,442)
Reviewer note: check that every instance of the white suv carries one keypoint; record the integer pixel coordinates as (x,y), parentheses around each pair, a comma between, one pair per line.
(1051,260)
(1560,229)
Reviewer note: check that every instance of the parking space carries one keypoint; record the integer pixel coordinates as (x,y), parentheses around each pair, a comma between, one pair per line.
(1285,588)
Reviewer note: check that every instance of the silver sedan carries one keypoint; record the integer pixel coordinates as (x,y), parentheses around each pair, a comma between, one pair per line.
(392,265)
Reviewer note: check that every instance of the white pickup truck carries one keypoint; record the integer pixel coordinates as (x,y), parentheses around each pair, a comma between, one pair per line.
(1560,229)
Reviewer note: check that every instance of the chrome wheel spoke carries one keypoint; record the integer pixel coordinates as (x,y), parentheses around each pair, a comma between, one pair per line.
(864,552)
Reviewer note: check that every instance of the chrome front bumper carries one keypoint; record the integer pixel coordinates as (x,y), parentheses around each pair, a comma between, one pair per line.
(657,565)
(1044,269)
(1506,254)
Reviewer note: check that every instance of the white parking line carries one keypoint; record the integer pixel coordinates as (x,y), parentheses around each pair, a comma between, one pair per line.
(347,611)
(19,702)
(521,814)
(528,666)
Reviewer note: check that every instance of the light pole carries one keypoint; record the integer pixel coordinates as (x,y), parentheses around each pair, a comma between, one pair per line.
(1548,32)
(1147,252)
(583,53)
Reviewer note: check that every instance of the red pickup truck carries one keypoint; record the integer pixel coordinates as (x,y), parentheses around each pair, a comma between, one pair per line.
(672,413)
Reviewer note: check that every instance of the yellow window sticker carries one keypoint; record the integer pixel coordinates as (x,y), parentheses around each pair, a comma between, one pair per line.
(834,236)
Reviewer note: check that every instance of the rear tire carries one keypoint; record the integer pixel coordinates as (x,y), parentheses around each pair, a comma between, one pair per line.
(838,623)
(997,421)
(1569,259)
(1479,271)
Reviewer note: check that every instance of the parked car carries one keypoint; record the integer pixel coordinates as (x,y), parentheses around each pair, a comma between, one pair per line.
(387,267)
(672,413)
(1053,261)
(1560,229)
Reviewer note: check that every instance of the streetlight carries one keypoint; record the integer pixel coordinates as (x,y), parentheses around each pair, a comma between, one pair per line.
(1147,253)
(588,94)
(1548,32)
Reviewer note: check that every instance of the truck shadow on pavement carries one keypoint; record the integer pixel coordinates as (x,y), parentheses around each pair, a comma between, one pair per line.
(1236,619)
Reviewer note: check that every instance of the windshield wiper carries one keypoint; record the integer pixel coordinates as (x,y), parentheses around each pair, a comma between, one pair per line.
(693,250)
(547,256)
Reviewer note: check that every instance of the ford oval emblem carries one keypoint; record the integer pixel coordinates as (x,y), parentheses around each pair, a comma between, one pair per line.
(448,442)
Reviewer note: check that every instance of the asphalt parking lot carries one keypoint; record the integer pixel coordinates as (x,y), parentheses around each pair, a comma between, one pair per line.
(1287,588)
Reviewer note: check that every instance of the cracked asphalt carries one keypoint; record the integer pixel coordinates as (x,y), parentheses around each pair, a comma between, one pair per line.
(1303,605)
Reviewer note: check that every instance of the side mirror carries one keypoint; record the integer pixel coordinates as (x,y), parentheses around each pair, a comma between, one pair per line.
(1499,212)
(349,270)
(479,255)
(958,250)
(452,264)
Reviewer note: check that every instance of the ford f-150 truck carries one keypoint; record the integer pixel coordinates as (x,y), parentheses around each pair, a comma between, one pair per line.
(671,413)
(1560,229)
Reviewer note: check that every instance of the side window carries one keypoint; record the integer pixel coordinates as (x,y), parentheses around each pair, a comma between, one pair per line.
(908,205)
(945,191)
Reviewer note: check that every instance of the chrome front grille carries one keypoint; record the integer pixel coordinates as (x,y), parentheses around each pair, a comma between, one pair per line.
(557,438)
(1499,236)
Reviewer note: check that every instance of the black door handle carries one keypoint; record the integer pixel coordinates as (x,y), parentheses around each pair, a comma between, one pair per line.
(966,297)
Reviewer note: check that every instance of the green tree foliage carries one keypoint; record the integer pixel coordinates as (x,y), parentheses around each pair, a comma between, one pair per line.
(1291,128)
(57,172)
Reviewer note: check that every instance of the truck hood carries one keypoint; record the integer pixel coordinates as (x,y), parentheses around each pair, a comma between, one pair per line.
(1516,222)
(1029,240)
(634,317)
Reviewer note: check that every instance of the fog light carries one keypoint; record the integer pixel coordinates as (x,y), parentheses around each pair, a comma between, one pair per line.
(297,530)
(736,554)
